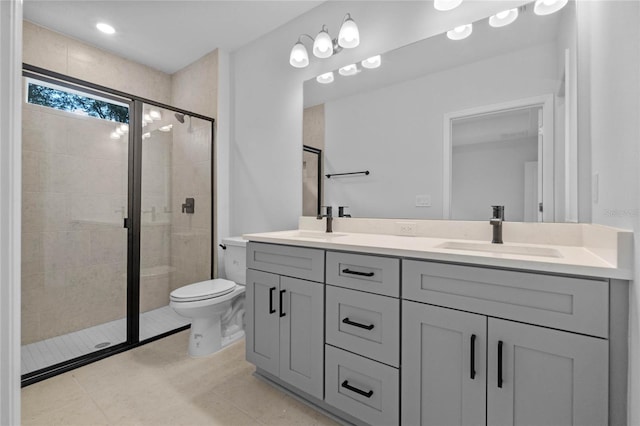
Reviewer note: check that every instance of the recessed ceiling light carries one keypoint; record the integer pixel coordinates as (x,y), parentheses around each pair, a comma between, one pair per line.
(444,5)
(166,128)
(105,28)
(547,7)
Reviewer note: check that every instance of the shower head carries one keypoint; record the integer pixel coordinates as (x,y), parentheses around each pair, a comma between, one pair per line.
(179,117)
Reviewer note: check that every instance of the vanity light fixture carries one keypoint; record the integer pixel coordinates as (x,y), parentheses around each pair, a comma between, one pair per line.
(444,5)
(547,7)
(325,78)
(105,28)
(504,18)
(372,62)
(348,70)
(323,45)
(461,32)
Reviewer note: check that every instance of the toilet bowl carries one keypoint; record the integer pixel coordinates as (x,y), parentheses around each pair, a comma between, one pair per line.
(215,307)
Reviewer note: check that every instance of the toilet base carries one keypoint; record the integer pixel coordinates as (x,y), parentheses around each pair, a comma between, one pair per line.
(205,337)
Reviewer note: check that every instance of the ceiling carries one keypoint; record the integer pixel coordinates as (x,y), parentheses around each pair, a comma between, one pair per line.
(165,35)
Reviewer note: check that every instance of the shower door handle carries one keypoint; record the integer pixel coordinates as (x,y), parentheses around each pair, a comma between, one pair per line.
(126,223)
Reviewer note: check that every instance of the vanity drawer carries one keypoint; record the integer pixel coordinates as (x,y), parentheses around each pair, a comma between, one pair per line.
(573,304)
(297,262)
(362,388)
(364,323)
(375,274)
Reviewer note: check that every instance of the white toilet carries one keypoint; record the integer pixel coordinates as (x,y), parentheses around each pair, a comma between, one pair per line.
(216,307)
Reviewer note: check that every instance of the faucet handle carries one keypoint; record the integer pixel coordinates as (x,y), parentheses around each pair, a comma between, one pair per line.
(341,212)
(498,212)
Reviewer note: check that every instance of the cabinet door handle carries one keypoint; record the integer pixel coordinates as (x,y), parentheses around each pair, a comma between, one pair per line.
(362,274)
(271,310)
(346,385)
(282,314)
(499,363)
(357,324)
(473,357)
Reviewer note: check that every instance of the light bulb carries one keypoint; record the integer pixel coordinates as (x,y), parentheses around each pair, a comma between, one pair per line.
(349,36)
(299,57)
(372,62)
(322,45)
(547,7)
(503,18)
(348,70)
(155,114)
(444,5)
(105,28)
(325,78)
(461,32)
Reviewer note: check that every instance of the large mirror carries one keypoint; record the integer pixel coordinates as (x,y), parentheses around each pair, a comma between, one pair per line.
(448,128)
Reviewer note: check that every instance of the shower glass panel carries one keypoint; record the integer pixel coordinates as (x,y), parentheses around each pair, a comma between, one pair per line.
(74,245)
(175,240)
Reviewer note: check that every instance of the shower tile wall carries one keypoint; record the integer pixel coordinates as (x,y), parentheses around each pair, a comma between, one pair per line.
(73,243)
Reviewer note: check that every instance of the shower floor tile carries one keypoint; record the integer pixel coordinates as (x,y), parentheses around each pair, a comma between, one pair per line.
(58,349)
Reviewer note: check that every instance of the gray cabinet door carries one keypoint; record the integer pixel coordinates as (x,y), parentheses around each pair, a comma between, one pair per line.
(438,347)
(302,335)
(549,377)
(263,321)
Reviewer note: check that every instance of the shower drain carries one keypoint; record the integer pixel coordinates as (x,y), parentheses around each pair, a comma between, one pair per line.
(102,345)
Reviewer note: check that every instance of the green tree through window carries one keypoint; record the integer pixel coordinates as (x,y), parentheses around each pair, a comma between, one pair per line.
(71,102)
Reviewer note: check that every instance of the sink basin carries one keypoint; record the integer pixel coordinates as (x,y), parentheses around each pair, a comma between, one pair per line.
(501,249)
(313,235)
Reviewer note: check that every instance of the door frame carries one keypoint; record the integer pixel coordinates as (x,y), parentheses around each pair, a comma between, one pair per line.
(546,102)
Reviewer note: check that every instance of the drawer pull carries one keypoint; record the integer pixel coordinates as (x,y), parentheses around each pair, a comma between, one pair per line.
(499,363)
(357,324)
(346,385)
(362,274)
(282,314)
(473,356)
(271,310)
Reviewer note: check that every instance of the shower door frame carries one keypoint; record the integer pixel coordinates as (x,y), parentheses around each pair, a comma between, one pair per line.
(133,221)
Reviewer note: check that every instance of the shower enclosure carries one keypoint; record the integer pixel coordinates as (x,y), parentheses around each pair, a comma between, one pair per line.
(105,237)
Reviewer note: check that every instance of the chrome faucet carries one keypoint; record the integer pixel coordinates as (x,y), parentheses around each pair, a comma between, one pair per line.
(329,217)
(496,222)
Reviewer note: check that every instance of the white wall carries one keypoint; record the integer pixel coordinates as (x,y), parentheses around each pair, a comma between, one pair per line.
(10,205)
(488,174)
(396,132)
(614,42)
(266,166)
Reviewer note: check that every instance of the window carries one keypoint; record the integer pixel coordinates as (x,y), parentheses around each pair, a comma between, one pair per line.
(68,100)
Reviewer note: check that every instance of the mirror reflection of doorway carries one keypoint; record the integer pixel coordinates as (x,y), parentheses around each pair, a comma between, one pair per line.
(311,181)
(501,155)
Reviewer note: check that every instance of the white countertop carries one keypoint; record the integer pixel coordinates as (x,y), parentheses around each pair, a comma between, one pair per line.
(566,259)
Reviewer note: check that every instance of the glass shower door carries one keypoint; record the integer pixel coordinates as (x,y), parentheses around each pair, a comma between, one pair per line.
(176,219)
(74,245)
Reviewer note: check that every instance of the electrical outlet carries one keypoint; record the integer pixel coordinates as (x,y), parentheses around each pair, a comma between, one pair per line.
(423,200)
(405,228)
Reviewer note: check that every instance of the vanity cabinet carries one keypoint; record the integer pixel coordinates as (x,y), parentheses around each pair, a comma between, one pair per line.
(285,315)
(465,368)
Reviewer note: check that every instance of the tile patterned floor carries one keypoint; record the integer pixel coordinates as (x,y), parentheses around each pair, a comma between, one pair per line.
(72,345)
(159,384)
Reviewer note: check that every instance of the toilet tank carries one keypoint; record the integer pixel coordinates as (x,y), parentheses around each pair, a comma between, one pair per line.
(235,259)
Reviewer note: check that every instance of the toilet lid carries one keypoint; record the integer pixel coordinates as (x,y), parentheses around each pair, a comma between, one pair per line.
(203,290)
